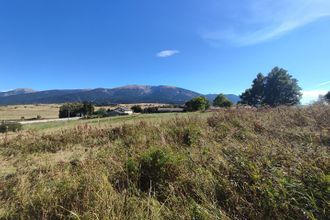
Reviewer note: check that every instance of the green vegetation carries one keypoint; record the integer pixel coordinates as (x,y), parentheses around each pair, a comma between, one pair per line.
(47,127)
(233,164)
(10,126)
(327,97)
(101,112)
(150,110)
(277,88)
(197,104)
(137,109)
(222,101)
(76,109)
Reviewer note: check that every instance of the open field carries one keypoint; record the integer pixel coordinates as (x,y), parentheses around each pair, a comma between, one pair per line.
(232,164)
(16,112)
(50,111)
(109,121)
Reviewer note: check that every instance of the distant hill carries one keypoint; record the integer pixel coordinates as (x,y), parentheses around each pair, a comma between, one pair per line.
(17,92)
(233,98)
(125,94)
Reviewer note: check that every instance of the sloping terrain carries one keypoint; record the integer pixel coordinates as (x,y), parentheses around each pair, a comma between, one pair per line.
(233,164)
(126,94)
(17,92)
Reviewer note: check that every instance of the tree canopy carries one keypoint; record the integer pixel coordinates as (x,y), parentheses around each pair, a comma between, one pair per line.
(222,101)
(327,97)
(197,104)
(137,109)
(277,88)
(74,109)
(255,95)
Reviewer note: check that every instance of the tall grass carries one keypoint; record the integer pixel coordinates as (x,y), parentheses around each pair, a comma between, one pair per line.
(233,164)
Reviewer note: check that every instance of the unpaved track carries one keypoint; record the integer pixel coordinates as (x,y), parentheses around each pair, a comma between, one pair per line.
(49,120)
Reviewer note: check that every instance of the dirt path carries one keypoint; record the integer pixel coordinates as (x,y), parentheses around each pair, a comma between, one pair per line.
(49,120)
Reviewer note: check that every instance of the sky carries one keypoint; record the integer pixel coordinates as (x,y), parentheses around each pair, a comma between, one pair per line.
(209,46)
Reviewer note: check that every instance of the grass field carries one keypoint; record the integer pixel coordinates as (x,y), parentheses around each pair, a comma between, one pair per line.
(16,112)
(233,164)
(114,121)
(46,111)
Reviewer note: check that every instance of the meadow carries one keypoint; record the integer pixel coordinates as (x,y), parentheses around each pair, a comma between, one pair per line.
(47,111)
(230,164)
(16,112)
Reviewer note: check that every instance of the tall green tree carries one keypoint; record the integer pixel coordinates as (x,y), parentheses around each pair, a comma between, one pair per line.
(76,109)
(281,88)
(197,104)
(68,110)
(222,101)
(277,88)
(327,97)
(87,108)
(255,95)
(137,109)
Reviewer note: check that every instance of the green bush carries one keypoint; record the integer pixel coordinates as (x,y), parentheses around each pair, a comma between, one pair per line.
(222,101)
(197,104)
(156,169)
(150,110)
(10,126)
(102,112)
(137,109)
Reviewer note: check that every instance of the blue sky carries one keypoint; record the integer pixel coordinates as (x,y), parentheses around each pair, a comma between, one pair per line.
(209,46)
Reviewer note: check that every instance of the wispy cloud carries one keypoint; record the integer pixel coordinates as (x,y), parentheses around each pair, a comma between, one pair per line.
(263,20)
(167,53)
(324,83)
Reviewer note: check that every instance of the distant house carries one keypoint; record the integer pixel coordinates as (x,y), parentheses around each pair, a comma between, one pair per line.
(165,110)
(121,111)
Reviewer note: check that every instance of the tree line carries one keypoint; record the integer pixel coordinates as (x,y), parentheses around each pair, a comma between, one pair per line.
(77,109)
(277,88)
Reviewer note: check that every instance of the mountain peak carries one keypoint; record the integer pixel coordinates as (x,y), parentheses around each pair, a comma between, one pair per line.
(17,91)
(124,94)
(23,90)
(134,87)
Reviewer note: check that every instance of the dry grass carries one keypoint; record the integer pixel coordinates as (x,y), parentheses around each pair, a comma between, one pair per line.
(233,164)
(16,112)
(47,111)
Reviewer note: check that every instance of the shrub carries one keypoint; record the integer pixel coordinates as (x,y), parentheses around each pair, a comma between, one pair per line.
(222,101)
(238,164)
(137,109)
(156,169)
(10,126)
(197,104)
(102,112)
(150,110)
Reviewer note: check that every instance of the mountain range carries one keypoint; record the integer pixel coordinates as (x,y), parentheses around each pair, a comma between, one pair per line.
(125,94)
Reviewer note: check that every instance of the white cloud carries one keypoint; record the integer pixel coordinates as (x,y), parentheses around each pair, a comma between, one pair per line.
(311,95)
(262,20)
(167,53)
(324,83)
